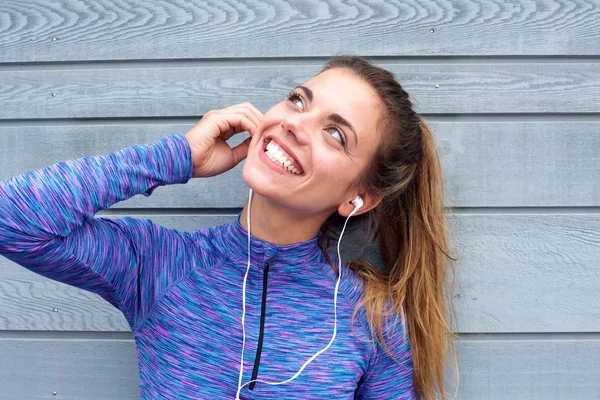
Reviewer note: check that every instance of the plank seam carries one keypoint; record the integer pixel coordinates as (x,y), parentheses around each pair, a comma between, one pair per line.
(199,212)
(128,336)
(286,61)
(191,120)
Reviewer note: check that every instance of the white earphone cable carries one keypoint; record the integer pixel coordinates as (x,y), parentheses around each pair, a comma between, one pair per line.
(337,284)
(240,386)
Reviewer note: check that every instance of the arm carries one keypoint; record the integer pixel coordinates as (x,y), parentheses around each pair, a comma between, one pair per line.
(388,378)
(47,223)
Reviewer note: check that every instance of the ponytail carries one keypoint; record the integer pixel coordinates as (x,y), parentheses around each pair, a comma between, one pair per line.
(410,226)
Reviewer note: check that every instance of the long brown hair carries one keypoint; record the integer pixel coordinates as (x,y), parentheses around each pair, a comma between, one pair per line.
(410,226)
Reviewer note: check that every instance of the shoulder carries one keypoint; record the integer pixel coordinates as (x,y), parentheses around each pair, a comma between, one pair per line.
(352,285)
(211,244)
(393,325)
(202,246)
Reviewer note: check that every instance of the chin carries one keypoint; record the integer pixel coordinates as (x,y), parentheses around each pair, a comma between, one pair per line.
(257,181)
(260,184)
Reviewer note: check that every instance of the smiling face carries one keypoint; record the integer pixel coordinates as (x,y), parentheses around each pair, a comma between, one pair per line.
(312,147)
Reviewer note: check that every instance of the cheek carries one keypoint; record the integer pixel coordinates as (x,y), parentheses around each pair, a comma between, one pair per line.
(338,173)
(333,172)
(326,167)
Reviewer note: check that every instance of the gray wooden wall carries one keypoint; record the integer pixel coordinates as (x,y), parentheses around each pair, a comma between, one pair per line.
(511,90)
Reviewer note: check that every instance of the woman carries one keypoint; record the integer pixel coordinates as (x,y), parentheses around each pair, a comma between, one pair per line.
(250,309)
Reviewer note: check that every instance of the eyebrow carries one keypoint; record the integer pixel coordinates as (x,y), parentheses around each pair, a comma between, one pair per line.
(335,117)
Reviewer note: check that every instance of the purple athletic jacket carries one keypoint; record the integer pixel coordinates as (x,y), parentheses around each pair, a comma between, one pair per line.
(181,292)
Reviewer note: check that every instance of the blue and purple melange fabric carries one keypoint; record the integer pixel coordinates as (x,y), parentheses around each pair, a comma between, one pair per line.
(181,292)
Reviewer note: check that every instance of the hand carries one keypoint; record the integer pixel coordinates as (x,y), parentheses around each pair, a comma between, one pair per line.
(211,155)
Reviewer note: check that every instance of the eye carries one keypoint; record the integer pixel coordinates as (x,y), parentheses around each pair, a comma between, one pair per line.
(296,99)
(334,131)
(337,135)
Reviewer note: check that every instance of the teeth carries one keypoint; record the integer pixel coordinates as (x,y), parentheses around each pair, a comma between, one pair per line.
(278,157)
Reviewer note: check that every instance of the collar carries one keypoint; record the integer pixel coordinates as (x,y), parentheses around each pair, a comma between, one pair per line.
(295,254)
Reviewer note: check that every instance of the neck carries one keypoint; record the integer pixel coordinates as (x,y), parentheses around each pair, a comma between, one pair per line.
(279,225)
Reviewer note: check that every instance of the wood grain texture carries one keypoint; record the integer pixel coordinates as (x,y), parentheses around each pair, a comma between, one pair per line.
(134,29)
(508,164)
(528,369)
(489,369)
(543,87)
(516,273)
(74,369)
(478,68)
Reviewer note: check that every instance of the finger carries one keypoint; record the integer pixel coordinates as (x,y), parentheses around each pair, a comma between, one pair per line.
(235,121)
(255,122)
(242,128)
(227,135)
(253,110)
(240,151)
(248,106)
(243,109)
(256,112)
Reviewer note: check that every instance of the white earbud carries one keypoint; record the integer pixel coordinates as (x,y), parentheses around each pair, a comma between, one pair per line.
(358,202)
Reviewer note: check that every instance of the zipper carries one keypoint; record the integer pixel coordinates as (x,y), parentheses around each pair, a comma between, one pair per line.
(262,326)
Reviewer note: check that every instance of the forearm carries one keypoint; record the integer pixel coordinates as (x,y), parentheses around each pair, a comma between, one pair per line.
(52,201)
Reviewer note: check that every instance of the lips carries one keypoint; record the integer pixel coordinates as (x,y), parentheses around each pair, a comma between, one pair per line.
(285,158)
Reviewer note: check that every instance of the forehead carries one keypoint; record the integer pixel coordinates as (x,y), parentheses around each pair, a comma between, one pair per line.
(341,91)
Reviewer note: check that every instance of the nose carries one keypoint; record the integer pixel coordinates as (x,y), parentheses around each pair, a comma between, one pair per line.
(297,126)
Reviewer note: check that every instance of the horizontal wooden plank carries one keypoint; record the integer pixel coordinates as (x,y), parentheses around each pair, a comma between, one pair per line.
(516,273)
(192,90)
(73,369)
(505,164)
(488,369)
(528,369)
(102,30)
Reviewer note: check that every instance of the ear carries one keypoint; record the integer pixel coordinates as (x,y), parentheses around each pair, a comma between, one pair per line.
(370,201)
